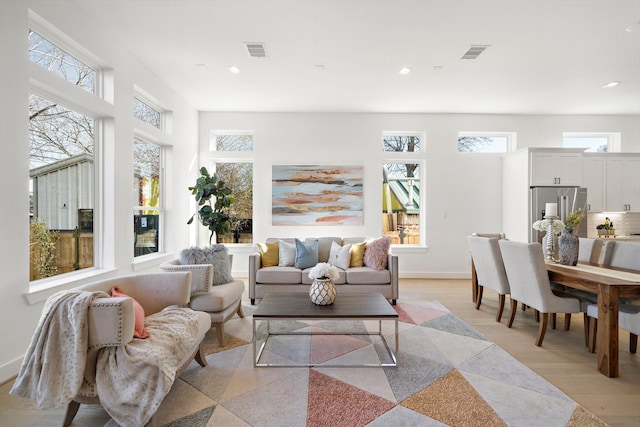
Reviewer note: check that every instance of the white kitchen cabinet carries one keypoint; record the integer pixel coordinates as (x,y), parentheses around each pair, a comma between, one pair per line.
(623,183)
(559,168)
(594,178)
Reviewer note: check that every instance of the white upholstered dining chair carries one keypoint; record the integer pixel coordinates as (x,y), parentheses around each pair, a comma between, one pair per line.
(628,319)
(589,250)
(621,254)
(487,259)
(529,282)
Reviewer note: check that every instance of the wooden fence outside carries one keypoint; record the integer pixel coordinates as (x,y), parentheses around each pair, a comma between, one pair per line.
(74,251)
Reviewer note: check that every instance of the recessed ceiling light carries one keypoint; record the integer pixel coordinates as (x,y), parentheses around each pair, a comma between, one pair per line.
(234,69)
(404,71)
(611,84)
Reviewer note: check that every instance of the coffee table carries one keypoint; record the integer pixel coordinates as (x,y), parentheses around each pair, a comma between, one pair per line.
(298,306)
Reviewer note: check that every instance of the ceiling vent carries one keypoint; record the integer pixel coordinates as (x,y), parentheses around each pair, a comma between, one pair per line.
(256,50)
(474,51)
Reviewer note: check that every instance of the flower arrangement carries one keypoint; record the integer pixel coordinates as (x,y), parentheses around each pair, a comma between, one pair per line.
(543,225)
(324,271)
(573,219)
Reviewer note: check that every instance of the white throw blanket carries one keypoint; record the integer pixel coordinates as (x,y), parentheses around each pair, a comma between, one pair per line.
(53,367)
(133,380)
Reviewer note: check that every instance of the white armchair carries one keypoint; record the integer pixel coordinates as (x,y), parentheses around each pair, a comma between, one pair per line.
(221,302)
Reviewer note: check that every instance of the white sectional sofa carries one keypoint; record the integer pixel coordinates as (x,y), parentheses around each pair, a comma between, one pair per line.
(287,278)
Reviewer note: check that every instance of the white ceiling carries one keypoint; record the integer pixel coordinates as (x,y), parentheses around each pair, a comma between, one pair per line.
(545,56)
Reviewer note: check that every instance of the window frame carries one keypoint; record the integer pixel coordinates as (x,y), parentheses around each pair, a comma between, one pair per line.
(510,136)
(614,139)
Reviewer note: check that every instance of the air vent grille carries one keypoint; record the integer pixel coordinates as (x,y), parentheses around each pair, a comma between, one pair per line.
(475,51)
(256,50)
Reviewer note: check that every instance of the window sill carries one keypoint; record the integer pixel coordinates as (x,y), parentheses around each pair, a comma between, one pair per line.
(144,262)
(408,249)
(42,289)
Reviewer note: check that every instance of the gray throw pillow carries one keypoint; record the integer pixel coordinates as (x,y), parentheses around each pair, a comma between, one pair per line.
(215,255)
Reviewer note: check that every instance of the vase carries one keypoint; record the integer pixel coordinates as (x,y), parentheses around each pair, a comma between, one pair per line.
(322,292)
(568,245)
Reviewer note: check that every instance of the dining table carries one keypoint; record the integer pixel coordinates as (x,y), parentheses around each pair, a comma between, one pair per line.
(609,284)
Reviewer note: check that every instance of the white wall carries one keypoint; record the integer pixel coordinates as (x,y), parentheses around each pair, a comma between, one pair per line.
(19,308)
(463,191)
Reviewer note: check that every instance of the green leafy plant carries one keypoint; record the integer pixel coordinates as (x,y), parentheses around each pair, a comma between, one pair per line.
(573,219)
(42,243)
(214,199)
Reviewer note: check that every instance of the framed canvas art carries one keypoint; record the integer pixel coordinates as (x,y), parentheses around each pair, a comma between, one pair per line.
(317,195)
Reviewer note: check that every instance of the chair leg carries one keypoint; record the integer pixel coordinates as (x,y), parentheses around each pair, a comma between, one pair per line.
(479,297)
(537,316)
(240,313)
(70,414)
(567,321)
(553,320)
(199,357)
(501,299)
(633,343)
(514,308)
(542,329)
(253,301)
(593,332)
(586,320)
(220,333)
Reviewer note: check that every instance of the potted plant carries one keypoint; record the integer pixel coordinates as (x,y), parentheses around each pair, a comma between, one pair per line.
(214,198)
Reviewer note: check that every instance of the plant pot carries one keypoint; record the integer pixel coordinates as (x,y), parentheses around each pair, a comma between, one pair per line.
(322,292)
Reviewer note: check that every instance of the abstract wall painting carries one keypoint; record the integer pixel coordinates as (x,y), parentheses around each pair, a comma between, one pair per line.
(317,195)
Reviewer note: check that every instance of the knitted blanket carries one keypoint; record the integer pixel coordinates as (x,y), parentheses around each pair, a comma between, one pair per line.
(53,367)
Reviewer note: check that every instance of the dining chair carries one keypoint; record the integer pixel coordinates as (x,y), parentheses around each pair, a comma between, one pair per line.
(529,283)
(621,254)
(628,319)
(589,250)
(487,259)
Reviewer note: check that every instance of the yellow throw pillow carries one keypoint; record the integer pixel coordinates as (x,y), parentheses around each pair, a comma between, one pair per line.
(357,254)
(269,254)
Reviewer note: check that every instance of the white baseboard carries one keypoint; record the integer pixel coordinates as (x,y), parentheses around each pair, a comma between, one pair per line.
(433,275)
(10,370)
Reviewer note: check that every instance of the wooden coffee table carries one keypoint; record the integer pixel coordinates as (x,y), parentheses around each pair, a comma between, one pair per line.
(298,306)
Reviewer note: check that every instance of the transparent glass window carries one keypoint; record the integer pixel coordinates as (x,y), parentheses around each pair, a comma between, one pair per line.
(147,197)
(52,58)
(401,203)
(401,143)
(597,144)
(61,189)
(239,177)
(483,144)
(233,141)
(146,113)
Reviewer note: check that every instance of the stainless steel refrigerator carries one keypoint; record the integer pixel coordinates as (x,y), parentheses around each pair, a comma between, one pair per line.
(569,199)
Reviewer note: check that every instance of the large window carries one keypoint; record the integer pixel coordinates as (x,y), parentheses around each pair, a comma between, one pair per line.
(148,199)
(402,216)
(485,142)
(234,165)
(599,142)
(62,146)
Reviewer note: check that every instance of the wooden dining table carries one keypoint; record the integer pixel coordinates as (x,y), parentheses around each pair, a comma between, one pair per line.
(610,285)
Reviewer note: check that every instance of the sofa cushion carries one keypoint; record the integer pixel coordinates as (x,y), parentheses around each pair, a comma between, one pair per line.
(324,246)
(340,256)
(269,254)
(287,251)
(306,253)
(357,254)
(279,275)
(219,298)
(368,276)
(376,253)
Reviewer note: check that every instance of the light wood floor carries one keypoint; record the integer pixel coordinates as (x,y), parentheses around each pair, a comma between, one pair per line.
(563,359)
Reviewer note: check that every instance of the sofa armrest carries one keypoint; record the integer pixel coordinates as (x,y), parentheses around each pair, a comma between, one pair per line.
(201,274)
(111,322)
(254,265)
(392,265)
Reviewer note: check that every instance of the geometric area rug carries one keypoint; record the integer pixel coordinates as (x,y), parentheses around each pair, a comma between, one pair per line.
(448,374)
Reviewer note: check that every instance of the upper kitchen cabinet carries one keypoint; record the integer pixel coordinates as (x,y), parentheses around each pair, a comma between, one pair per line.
(556,167)
(594,178)
(623,183)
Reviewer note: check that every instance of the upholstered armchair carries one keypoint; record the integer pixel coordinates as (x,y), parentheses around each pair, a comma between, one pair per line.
(220,300)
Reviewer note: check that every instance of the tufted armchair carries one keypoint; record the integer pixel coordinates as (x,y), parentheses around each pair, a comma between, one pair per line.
(221,302)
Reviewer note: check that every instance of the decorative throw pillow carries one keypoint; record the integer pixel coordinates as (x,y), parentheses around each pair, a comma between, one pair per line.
(216,255)
(138,329)
(306,254)
(376,253)
(268,254)
(340,256)
(357,254)
(287,252)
